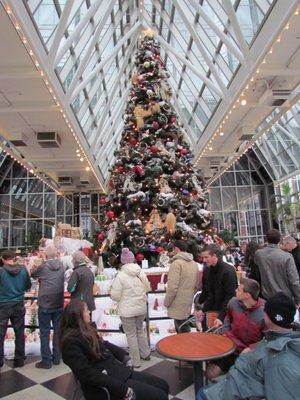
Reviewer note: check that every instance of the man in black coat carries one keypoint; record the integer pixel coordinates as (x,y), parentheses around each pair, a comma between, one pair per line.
(219,284)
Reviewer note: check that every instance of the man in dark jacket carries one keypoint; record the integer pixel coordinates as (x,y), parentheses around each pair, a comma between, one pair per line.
(14,281)
(50,275)
(81,281)
(219,284)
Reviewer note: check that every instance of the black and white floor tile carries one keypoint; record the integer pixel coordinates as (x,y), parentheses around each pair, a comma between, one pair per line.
(30,383)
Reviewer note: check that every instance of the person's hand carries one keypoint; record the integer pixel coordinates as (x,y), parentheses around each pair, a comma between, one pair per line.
(199,315)
(217,323)
(130,395)
(246,350)
(127,361)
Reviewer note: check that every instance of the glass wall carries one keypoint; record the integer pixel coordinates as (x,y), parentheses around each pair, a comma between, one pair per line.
(239,201)
(29,209)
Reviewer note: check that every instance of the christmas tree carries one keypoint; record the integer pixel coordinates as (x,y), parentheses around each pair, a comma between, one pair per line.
(156,197)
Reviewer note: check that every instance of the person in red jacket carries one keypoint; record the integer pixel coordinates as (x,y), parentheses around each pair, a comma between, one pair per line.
(243,324)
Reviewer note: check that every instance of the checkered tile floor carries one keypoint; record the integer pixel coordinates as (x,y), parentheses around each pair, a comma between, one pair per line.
(30,383)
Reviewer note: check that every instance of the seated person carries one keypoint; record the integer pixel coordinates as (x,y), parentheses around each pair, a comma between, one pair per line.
(244,324)
(219,283)
(272,370)
(97,363)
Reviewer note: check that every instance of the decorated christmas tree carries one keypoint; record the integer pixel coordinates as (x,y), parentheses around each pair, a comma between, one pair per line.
(156,197)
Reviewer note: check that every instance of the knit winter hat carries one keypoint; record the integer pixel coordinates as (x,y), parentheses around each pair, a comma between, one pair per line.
(127,256)
(281,310)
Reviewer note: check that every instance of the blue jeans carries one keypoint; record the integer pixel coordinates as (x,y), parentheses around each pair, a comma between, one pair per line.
(201,395)
(46,316)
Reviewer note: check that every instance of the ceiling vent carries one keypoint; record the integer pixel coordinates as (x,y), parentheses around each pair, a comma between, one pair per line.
(274,98)
(18,139)
(84,179)
(65,180)
(48,140)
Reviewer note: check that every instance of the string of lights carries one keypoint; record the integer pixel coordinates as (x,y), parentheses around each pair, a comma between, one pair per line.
(240,100)
(79,151)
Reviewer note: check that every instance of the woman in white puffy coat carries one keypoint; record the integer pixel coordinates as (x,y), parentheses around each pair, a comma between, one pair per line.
(129,291)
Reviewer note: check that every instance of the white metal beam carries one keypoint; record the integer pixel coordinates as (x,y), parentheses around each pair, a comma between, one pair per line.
(206,80)
(60,30)
(77,31)
(236,28)
(113,90)
(73,91)
(231,46)
(203,51)
(90,47)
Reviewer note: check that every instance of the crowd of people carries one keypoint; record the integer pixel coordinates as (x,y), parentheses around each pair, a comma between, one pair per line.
(255,309)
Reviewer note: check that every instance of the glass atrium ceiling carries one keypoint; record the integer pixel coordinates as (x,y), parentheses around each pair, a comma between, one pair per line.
(92,45)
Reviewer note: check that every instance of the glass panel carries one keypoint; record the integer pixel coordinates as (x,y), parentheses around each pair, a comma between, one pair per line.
(34,232)
(35,186)
(218,221)
(244,198)
(60,205)
(229,199)
(259,197)
(17,233)
(18,206)
(35,205)
(231,222)
(18,171)
(227,179)
(4,233)
(5,187)
(85,204)
(242,178)
(215,199)
(94,200)
(69,220)
(4,209)
(18,186)
(48,228)
(242,164)
(49,207)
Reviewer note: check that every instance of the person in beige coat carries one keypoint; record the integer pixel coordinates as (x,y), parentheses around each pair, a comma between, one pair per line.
(182,286)
(129,290)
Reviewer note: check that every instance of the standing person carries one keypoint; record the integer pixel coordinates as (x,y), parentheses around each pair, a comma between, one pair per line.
(291,245)
(182,286)
(14,282)
(96,363)
(81,281)
(272,370)
(277,269)
(129,290)
(249,263)
(50,275)
(219,285)
(244,324)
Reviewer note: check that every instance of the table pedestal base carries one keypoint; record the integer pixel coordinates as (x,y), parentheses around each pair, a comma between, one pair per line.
(198,375)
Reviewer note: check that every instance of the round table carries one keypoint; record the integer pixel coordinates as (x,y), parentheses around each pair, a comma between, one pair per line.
(195,347)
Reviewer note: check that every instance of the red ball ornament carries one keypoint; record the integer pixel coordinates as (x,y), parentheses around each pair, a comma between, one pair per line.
(120,169)
(155,125)
(139,257)
(110,214)
(153,149)
(173,119)
(102,201)
(100,236)
(139,169)
(183,152)
(133,141)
